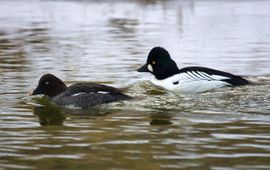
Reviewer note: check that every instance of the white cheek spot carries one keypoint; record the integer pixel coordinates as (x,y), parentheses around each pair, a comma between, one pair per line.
(47,83)
(150,68)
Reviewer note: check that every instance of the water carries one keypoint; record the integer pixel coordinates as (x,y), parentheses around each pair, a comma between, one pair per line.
(104,41)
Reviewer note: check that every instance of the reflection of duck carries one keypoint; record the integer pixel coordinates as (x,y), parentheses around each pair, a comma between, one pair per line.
(49,115)
(186,80)
(79,95)
(161,119)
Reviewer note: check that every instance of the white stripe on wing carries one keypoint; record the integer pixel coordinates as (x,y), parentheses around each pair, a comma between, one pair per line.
(77,94)
(199,75)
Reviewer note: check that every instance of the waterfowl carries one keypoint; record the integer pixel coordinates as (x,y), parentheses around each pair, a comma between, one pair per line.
(79,95)
(188,80)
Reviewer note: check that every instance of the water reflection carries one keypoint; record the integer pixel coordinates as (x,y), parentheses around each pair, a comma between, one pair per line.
(161,119)
(49,115)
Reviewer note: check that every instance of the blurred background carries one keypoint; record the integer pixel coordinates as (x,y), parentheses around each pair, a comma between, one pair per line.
(106,41)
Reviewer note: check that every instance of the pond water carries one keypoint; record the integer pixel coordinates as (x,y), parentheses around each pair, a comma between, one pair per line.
(105,41)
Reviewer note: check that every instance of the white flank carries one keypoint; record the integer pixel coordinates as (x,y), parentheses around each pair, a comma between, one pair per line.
(191,82)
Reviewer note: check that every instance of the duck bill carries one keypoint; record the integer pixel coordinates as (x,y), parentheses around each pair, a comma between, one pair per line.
(35,92)
(143,69)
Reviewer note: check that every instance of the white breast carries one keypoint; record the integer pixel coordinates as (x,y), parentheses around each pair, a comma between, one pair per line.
(191,82)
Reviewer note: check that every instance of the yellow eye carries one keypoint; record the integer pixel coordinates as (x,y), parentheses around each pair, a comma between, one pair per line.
(153,62)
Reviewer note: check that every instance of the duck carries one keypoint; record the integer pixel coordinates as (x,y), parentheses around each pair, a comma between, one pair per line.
(78,95)
(187,80)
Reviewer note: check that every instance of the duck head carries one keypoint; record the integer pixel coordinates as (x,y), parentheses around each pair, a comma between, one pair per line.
(160,64)
(49,85)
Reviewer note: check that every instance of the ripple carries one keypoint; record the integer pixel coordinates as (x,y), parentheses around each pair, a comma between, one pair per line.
(239,136)
(16,166)
(122,142)
(237,155)
(53,156)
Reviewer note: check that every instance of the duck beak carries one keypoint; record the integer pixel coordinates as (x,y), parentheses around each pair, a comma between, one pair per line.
(143,68)
(36,91)
(30,93)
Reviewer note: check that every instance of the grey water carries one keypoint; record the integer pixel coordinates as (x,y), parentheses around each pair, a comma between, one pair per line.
(106,41)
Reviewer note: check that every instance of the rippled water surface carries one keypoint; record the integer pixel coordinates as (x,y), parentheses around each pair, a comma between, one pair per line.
(105,41)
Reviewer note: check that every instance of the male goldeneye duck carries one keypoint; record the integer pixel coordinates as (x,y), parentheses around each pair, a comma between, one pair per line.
(186,80)
(79,95)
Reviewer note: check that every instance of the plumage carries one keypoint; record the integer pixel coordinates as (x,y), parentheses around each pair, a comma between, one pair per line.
(188,79)
(79,95)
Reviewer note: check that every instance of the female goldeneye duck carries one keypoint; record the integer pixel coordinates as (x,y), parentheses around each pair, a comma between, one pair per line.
(186,80)
(79,95)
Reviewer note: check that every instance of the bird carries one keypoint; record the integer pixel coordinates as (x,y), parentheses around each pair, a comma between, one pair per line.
(187,80)
(78,95)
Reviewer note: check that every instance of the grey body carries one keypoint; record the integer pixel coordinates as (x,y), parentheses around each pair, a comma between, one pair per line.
(84,95)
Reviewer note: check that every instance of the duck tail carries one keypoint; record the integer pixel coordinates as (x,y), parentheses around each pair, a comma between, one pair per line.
(237,81)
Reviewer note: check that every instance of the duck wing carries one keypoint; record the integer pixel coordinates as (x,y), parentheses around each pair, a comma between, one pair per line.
(90,87)
(85,95)
(85,100)
(204,73)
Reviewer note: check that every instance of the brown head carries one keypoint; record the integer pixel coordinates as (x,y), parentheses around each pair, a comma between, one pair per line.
(50,85)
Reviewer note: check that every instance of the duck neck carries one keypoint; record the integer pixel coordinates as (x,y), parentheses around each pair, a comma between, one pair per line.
(167,71)
(57,90)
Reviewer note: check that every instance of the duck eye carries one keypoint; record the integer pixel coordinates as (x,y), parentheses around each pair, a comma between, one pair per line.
(153,62)
(47,83)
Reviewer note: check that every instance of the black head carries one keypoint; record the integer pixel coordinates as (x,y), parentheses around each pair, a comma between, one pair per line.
(160,64)
(49,85)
